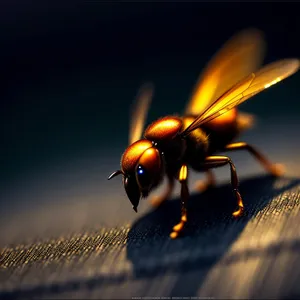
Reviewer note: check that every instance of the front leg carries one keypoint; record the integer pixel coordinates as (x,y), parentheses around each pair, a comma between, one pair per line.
(183,175)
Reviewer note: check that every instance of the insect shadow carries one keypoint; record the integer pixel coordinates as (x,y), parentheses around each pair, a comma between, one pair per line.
(210,232)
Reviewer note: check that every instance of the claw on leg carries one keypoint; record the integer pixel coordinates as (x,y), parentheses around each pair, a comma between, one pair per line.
(179,227)
(240,211)
(174,235)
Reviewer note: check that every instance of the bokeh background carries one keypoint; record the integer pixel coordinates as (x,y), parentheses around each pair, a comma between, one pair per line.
(70,71)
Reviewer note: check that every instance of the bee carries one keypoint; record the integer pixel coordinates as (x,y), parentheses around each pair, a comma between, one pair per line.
(173,145)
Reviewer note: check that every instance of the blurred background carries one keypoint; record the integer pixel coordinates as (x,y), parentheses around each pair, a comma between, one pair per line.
(70,70)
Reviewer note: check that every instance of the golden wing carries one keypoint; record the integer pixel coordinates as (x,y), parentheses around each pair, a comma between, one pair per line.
(245,89)
(139,112)
(239,57)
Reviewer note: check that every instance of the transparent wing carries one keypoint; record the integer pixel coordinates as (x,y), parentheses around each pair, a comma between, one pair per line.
(239,57)
(247,88)
(139,112)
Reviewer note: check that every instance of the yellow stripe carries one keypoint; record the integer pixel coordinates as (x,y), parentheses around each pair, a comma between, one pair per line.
(183,173)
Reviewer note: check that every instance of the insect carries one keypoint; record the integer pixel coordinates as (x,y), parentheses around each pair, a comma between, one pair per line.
(173,145)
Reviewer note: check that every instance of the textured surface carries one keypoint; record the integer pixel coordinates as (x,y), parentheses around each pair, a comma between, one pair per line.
(71,70)
(256,256)
(66,233)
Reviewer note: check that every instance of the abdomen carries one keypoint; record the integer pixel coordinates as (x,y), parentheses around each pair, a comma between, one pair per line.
(222,130)
(214,135)
(226,128)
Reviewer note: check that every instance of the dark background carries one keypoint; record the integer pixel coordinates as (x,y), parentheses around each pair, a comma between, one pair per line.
(70,70)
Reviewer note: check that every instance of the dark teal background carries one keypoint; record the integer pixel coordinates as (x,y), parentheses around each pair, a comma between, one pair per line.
(70,71)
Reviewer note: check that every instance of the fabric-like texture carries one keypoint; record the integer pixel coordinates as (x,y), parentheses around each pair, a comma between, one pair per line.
(256,256)
(69,233)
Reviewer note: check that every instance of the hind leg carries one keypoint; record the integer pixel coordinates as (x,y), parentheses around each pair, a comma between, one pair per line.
(157,200)
(203,185)
(274,169)
(219,161)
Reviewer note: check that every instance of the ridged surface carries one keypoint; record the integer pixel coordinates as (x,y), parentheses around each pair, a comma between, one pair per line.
(253,252)
(73,235)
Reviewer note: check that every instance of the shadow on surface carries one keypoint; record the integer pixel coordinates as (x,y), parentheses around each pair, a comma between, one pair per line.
(210,232)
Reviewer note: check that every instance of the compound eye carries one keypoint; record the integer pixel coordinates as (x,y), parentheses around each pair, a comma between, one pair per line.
(143,177)
(148,170)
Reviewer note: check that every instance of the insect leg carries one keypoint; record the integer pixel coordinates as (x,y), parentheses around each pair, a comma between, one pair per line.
(203,185)
(183,174)
(156,201)
(274,169)
(219,161)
